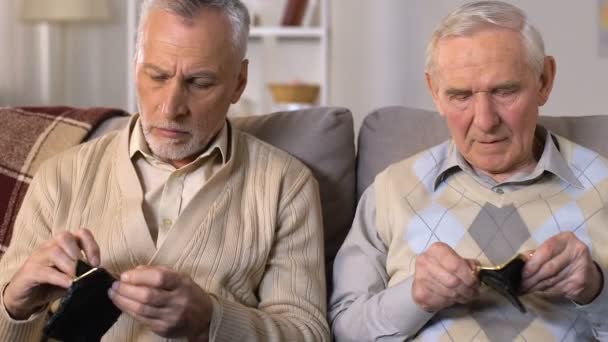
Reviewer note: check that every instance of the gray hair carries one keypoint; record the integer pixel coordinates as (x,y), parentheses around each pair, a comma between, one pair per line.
(473,17)
(234,10)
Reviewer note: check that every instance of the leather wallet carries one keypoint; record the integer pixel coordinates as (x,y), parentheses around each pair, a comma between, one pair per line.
(505,279)
(86,312)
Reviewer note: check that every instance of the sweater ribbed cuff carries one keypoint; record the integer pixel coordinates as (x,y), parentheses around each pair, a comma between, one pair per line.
(17,330)
(226,321)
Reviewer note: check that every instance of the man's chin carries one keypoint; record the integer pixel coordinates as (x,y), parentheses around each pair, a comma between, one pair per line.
(172,151)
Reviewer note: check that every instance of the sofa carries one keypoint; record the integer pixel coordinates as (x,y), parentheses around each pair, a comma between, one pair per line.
(324,139)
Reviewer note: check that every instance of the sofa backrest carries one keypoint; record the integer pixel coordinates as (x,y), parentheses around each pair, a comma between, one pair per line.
(390,134)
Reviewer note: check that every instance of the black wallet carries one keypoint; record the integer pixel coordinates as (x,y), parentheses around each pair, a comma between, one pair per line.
(505,279)
(86,312)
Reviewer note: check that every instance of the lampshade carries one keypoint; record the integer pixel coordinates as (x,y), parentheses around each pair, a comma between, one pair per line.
(65,10)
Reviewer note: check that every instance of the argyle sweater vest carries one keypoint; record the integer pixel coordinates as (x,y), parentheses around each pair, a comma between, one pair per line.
(490,227)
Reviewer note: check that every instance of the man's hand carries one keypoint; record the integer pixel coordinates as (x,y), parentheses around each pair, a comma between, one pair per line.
(442,278)
(168,303)
(562,266)
(47,272)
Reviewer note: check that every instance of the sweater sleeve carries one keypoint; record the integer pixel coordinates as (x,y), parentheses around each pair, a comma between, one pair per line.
(362,307)
(597,310)
(292,297)
(32,228)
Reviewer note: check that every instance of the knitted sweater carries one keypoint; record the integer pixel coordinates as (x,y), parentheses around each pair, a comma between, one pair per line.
(403,213)
(252,237)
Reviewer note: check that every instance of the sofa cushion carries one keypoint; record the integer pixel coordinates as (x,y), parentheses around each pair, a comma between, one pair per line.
(323,139)
(390,134)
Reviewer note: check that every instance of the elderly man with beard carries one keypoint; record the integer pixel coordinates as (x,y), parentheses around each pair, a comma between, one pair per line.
(215,235)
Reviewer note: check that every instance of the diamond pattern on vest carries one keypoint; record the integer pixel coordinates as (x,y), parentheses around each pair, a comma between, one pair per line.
(499,232)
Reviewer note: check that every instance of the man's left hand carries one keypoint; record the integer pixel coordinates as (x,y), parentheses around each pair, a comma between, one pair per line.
(169,303)
(562,266)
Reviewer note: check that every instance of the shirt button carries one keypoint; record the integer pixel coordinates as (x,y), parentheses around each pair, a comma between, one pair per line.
(499,191)
(167,222)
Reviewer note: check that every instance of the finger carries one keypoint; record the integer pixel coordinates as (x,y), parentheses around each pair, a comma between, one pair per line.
(546,284)
(453,263)
(134,308)
(527,255)
(88,244)
(545,275)
(152,276)
(448,284)
(56,256)
(158,326)
(67,241)
(457,267)
(145,295)
(544,253)
(51,276)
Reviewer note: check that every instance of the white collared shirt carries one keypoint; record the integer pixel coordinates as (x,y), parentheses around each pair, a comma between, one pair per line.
(168,190)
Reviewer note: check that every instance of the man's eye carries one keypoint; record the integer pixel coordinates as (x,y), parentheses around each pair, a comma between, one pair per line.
(158,78)
(505,92)
(201,84)
(459,97)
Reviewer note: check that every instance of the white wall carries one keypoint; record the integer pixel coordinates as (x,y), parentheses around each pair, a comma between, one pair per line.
(92,55)
(96,60)
(19,58)
(378,53)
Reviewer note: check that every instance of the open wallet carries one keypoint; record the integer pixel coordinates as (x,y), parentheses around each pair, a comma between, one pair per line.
(505,279)
(85,312)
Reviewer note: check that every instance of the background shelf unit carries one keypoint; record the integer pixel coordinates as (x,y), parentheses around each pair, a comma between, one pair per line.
(276,54)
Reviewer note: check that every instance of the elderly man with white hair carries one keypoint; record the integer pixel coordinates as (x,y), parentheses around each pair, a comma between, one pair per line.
(213,234)
(501,186)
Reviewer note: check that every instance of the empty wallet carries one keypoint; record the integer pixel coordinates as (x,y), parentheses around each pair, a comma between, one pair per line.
(505,279)
(86,312)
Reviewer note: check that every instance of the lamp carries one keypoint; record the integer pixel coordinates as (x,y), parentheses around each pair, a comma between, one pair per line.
(59,12)
(65,10)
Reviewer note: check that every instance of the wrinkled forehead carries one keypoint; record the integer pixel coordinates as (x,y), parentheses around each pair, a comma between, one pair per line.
(209,32)
(500,51)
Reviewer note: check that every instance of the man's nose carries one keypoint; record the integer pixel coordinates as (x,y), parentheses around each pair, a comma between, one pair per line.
(174,100)
(485,117)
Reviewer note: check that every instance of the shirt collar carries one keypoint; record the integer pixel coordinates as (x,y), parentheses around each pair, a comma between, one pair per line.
(551,160)
(138,144)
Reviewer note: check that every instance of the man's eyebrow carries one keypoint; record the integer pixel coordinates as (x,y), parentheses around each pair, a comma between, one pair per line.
(508,85)
(457,91)
(154,68)
(202,74)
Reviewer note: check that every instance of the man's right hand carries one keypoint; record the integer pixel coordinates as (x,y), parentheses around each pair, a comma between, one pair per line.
(47,272)
(442,278)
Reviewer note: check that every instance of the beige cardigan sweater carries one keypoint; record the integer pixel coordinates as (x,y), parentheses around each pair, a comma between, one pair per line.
(252,237)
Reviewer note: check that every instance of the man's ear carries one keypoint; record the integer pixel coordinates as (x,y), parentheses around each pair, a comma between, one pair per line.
(546,80)
(434,90)
(241,82)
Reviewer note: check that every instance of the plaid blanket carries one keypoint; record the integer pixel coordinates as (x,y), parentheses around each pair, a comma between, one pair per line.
(29,136)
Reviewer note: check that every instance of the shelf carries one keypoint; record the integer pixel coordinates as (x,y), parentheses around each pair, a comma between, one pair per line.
(287,32)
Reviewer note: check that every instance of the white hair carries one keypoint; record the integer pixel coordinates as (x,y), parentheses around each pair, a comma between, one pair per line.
(473,17)
(234,10)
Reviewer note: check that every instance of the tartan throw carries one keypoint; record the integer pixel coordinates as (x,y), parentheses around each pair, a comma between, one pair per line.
(29,136)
